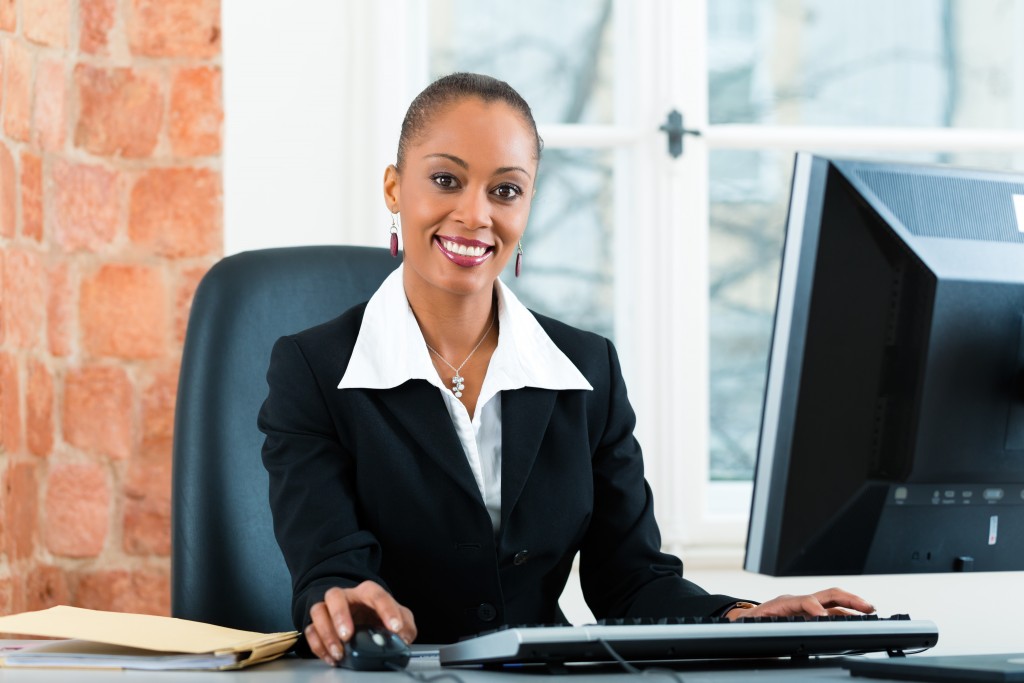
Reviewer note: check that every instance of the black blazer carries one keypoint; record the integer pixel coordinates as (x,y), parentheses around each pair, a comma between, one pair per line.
(374,484)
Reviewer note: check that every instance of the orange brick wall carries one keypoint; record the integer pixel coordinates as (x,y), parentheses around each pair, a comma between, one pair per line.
(110,213)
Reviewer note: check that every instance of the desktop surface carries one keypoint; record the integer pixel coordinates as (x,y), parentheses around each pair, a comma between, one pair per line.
(294,670)
(314,671)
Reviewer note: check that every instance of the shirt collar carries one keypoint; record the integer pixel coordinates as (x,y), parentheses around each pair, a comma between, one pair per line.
(390,349)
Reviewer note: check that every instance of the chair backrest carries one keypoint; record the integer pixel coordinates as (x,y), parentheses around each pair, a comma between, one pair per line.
(226,566)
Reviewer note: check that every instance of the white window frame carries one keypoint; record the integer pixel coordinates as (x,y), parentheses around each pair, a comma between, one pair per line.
(712,516)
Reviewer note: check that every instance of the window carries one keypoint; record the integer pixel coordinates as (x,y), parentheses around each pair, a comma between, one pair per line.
(920,69)
(563,66)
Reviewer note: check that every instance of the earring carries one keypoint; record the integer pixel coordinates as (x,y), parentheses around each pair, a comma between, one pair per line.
(394,237)
(519,259)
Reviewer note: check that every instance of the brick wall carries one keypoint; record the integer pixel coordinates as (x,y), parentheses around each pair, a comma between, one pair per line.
(110,212)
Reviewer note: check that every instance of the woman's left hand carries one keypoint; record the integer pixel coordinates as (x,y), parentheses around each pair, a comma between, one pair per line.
(820,604)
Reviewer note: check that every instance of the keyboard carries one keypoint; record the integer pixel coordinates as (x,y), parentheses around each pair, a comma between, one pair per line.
(693,638)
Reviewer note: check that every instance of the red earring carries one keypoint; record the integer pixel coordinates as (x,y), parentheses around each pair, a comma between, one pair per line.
(394,237)
(519,259)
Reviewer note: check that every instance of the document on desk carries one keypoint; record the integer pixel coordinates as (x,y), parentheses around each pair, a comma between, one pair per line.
(136,641)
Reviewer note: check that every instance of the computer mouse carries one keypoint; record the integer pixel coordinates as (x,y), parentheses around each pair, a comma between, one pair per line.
(375,649)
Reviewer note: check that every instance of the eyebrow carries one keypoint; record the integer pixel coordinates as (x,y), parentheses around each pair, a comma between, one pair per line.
(460,162)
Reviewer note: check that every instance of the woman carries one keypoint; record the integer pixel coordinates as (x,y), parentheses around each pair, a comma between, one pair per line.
(438,455)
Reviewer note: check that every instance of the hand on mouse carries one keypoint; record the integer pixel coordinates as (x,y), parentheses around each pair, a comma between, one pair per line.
(820,604)
(334,619)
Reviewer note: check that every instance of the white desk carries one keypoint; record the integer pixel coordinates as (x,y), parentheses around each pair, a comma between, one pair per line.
(313,671)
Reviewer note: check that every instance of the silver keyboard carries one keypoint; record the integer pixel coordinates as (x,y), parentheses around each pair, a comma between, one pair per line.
(645,640)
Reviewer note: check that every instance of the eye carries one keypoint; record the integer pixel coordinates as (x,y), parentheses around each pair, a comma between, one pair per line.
(445,180)
(507,191)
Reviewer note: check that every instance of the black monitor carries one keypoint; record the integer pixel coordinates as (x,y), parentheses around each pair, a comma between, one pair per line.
(892,437)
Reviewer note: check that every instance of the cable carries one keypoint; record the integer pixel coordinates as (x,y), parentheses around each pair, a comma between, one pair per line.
(635,670)
(447,675)
(618,658)
(423,678)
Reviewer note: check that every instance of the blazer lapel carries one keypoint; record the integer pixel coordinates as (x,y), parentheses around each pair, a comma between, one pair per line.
(417,406)
(525,414)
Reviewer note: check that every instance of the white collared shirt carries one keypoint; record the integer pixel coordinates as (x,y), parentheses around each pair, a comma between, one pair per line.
(390,350)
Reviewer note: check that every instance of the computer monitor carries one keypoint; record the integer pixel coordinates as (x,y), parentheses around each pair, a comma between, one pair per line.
(892,436)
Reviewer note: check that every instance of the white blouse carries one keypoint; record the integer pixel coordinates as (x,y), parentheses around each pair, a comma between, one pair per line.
(390,350)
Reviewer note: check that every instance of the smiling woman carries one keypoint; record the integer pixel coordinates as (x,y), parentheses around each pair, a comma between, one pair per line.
(464,195)
(463,184)
(437,504)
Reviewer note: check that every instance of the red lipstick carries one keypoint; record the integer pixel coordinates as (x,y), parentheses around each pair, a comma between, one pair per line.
(462,251)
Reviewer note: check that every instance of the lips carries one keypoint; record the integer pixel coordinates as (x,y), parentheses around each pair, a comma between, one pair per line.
(463,252)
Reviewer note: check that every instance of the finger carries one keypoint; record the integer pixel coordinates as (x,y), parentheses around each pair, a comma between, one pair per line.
(842,611)
(811,606)
(776,607)
(316,645)
(380,602)
(791,606)
(408,632)
(325,631)
(836,597)
(339,611)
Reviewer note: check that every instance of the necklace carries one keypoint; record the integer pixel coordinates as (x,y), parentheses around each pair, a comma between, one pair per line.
(458,381)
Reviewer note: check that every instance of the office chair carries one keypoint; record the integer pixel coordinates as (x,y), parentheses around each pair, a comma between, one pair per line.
(226,567)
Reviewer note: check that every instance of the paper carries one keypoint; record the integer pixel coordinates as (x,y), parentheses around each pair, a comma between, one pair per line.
(117,640)
(84,654)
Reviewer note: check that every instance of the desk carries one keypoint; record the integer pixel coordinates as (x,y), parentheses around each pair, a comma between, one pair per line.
(313,671)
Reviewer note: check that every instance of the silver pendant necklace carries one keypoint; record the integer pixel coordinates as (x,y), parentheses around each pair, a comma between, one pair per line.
(458,381)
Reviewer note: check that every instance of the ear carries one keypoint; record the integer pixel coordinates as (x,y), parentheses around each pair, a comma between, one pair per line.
(392,191)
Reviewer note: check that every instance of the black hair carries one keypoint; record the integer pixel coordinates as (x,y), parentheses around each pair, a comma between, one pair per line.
(452,88)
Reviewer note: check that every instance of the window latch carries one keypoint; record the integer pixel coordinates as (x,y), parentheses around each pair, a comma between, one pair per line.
(673,126)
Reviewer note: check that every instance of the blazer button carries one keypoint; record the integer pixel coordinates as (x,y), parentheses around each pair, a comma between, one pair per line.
(486,612)
(521,557)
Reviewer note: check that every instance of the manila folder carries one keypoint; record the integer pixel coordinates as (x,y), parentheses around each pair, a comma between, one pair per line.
(164,637)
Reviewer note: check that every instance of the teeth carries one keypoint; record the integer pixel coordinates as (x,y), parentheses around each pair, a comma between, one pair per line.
(462,249)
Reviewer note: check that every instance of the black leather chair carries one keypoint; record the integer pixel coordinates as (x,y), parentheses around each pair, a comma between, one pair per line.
(226,567)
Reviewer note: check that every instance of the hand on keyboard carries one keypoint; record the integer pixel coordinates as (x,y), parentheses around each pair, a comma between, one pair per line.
(832,601)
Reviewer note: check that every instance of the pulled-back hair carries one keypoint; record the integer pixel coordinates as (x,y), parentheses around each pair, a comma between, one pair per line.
(450,89)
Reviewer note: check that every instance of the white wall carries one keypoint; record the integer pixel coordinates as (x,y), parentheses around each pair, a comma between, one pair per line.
(309,127)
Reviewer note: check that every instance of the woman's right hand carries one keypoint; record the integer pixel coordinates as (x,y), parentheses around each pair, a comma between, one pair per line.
(368,604)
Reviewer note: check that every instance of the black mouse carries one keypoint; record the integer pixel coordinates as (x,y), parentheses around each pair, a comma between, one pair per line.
(375,649)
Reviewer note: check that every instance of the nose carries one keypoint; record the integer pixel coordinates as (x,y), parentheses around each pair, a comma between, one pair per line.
(473,209)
